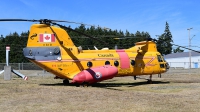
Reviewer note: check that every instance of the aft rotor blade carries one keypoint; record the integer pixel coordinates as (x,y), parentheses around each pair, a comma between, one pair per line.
(20,20)
(79,32)
(33,20)
(66,21)
(48,21)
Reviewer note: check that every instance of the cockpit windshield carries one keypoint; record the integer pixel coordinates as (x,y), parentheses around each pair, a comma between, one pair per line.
(160,58)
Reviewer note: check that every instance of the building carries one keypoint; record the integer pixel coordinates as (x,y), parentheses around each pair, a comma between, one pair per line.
(181,60)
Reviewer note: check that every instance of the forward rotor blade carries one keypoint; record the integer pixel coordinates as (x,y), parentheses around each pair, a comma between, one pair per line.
(186,48)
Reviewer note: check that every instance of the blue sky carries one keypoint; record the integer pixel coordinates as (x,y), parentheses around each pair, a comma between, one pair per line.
(132,15)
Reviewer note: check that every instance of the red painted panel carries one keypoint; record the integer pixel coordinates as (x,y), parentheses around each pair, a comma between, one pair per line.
(124,59)
(41,38)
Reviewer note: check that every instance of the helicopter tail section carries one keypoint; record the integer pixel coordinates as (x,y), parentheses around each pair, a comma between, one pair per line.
(45,43)
(44,35)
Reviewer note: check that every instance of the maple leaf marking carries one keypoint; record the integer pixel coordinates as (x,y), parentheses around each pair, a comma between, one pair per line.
(47,37)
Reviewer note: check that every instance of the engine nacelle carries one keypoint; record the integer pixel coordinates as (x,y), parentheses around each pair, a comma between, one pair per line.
(93,75)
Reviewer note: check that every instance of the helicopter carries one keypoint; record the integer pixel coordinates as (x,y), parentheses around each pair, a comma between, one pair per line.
(50,47)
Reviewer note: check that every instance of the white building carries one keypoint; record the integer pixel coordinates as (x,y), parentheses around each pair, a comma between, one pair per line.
(181,60)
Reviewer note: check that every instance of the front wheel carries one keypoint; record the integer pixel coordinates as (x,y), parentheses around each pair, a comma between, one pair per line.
(149,81)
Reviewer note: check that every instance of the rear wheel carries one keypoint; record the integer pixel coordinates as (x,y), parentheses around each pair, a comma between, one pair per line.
(65,81)
(85,84)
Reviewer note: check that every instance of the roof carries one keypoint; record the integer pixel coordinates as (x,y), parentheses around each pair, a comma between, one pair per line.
(181,54)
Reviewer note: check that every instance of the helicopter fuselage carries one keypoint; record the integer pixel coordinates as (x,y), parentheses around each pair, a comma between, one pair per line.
(52,49)
(68,64)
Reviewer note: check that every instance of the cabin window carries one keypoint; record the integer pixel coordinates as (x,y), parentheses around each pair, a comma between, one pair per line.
(162,65)
(116,63)
(164,59)
(132,62)
(107,63)
(89,64)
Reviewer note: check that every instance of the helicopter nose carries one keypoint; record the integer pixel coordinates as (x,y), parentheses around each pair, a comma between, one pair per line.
(167,66)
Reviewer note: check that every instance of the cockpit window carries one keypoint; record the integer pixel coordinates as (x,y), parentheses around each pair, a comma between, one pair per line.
(159,58)
(164,59)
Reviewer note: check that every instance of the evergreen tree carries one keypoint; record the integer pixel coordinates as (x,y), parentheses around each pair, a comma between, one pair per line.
(164,45)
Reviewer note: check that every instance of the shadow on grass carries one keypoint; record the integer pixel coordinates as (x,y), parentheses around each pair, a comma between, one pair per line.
(109,85)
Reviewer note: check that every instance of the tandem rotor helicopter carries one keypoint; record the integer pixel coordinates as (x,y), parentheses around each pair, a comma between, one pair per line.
(50,47)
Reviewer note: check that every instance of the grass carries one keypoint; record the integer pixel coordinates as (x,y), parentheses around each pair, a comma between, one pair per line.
(177,92)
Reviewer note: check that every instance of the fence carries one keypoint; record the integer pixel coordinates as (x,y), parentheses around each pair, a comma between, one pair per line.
(175,67)
(31,66)
(21,66)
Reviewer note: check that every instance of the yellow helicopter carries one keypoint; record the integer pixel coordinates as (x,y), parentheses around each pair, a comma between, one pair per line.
(50,47)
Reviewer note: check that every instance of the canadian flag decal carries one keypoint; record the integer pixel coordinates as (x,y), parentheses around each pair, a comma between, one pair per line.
(47,38)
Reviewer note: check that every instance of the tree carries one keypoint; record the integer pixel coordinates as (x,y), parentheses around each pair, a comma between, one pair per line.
(164,45)
(17,43)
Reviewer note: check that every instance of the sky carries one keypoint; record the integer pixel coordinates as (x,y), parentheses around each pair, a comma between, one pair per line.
(131,15)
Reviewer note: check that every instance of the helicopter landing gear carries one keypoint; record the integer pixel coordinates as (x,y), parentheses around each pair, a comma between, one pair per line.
(65,81)
(84,84)
(149,81)
(135,77)
(159,75)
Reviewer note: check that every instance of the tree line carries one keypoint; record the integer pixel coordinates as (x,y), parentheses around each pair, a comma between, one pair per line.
(109,38)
